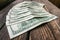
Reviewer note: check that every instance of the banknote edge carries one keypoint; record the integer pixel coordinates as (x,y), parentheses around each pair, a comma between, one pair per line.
(11,37)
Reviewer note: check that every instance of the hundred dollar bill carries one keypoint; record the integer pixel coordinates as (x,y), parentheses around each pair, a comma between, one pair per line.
(26,16)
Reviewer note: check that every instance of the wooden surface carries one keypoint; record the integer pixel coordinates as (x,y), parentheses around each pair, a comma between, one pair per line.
(47,31)
(56,2)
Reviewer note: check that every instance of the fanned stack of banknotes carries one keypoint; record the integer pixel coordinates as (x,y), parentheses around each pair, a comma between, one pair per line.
(26,16)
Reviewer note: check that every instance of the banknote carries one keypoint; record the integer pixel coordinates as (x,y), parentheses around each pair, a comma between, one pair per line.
(18,14)
(26,16)
(22,27)
(21,19)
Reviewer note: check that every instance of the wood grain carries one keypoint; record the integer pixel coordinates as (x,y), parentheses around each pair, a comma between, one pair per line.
(3,32)
(41,33)
(56,2)
(47,31)
(4,12)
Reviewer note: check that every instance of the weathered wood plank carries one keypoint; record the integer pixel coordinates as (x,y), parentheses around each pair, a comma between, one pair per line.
(56,2)
(55,28)
(44,32)
(21,37)
(5,36)
(3,32)
(55,24)
(4,12)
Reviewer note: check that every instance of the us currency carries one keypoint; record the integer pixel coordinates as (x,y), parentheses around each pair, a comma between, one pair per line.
(19,14)
(26,16)
(22,27)
(21,19)
(22,10)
